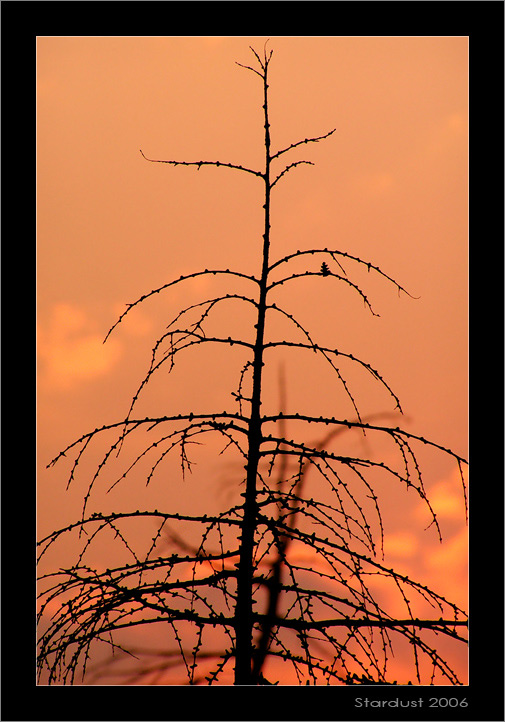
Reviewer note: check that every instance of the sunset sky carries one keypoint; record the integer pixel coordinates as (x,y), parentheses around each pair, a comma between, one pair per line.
(390,186)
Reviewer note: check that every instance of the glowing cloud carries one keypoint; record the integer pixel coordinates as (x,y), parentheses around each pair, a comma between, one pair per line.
(446,498)
(69,351)
(401,545)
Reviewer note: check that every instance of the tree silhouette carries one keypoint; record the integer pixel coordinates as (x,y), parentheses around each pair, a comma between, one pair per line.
(242,593)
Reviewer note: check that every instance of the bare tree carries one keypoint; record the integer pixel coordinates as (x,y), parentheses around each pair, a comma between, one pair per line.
(239,596)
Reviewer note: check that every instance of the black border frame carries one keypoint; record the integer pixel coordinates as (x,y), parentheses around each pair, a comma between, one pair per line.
(22,22)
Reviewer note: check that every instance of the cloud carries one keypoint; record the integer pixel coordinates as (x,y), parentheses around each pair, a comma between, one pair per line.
(451,555)
(402,545)
(447,568)
(136,324)
(446,498)
(70,350)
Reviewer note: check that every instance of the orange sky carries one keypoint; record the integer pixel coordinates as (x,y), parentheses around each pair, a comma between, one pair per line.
(390,186)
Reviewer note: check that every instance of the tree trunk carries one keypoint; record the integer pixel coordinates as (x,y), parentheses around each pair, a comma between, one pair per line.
(243,610)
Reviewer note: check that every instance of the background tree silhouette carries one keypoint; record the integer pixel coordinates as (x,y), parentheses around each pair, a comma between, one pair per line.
(288,571)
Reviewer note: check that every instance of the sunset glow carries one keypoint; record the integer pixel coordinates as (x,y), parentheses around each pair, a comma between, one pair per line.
(389,186)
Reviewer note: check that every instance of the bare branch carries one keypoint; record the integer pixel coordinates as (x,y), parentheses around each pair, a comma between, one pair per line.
(173,283)
(199,163)
(150,421)
(301,142)
(288,168)
(328,351)
(343,254)
(362,425)
(248,67)
(335,275)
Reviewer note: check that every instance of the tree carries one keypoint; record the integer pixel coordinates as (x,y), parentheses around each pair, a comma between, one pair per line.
(239,596)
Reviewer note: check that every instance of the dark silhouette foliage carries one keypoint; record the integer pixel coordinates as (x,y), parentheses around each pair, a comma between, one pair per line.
(239,597)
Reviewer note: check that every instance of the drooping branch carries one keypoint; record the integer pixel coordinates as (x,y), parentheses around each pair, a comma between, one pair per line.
(149,421)
(341,557)
(182,335)
(187,340)
(343,254)
(440,625)
(363,425)
(173,283)
(48,540)
(398,434)
(210,303)
(326,352)
(288,168)
(329,273)
(180,438)
(199,163)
